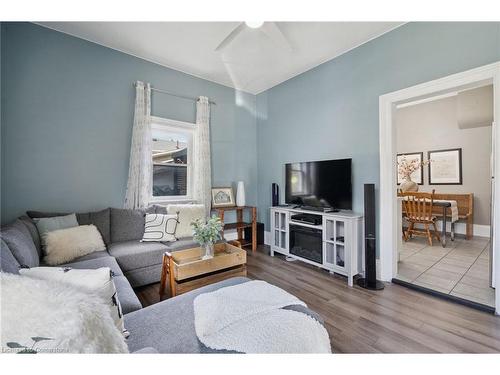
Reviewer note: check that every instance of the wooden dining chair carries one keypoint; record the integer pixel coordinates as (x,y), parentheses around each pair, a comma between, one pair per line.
(418,210)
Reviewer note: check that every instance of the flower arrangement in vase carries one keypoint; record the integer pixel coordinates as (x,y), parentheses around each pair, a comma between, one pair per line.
(406,168)
(207,233)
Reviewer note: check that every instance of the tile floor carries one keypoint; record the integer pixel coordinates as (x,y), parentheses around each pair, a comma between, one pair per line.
(460,269)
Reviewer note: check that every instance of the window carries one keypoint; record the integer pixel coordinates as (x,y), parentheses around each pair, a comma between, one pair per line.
(172,150)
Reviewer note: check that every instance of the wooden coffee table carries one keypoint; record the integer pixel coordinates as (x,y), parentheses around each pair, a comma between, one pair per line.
(186,270)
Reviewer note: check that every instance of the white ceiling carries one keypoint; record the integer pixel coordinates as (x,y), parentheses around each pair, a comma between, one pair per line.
(252,62)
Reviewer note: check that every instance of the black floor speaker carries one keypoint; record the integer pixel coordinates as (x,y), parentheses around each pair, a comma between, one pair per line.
(275,195)
(370,280)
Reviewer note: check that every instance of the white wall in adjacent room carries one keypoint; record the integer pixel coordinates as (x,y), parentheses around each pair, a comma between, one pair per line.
(435,125)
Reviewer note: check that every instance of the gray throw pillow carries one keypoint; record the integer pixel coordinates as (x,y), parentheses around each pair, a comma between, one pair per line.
(100,219)
(50,224)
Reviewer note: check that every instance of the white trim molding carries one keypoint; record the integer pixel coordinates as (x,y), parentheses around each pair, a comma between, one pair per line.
(163,124)
(389,233)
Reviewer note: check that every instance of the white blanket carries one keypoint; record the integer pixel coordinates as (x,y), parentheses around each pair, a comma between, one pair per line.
(249,318)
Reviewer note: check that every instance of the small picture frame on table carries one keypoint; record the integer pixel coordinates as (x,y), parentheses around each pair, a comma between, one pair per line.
(445,167)
(222,197)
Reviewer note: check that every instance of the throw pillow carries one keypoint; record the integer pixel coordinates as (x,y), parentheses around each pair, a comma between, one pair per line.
(64,245)
(187,214)
(161,228)
(49,224)
(98,281)
(55,318)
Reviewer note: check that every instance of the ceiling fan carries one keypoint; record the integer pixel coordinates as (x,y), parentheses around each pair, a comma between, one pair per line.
(271,29)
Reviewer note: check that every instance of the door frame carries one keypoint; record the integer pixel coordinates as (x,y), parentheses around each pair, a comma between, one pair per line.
(389,232)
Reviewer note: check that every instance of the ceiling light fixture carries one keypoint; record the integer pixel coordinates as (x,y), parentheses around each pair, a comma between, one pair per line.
(254,24)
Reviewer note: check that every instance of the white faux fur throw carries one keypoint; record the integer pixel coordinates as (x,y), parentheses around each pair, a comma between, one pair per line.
(64,245)
(249,318)
(51,317)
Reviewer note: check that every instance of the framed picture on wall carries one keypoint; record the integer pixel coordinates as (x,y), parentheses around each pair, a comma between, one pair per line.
(418,175)
(445,167)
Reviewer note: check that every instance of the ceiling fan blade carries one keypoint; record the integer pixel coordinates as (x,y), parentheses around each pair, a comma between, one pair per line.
(272,30)
(228,39)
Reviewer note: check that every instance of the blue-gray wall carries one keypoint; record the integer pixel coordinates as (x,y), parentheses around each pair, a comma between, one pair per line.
(67,111)
(332,111)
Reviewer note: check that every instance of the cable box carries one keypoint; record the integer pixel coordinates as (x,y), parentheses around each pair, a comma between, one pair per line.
(308,219)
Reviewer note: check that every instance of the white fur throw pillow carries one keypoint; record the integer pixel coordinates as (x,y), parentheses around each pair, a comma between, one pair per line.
(187,214)
(98,281)
(52,317)
(64,245)
(159,227)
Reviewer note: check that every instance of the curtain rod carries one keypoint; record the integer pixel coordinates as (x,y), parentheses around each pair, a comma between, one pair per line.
(179,96)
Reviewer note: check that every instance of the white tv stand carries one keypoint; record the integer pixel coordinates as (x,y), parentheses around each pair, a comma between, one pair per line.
(344,257)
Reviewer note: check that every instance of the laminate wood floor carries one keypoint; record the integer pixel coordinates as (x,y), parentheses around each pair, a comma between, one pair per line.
(394,320)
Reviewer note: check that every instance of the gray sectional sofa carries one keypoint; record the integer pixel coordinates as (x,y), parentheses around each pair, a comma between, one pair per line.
(134,263)
(165,327)
(122,230)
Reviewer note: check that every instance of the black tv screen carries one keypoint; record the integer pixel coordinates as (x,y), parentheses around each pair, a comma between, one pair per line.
(319,184)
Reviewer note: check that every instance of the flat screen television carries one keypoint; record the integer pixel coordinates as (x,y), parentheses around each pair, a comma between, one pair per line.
(322,184)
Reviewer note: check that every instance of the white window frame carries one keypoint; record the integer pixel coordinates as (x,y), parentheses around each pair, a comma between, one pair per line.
(161,123)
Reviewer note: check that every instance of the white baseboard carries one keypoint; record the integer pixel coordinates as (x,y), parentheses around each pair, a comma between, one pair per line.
(460,228)
(267,237)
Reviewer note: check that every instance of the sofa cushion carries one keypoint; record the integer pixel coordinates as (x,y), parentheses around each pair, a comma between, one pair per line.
(18,239)
(181,244)
(127,225)
(8,263)
(92,264)
(41,214)
(131,255)
(126,295)
(94,255)
(148,327)
(144,276)
(101,219)
(34,233)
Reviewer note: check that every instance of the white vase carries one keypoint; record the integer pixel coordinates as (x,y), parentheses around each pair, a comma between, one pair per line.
(240,194)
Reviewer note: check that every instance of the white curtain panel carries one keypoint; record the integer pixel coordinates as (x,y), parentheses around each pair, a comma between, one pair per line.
(202,173)
(140,173)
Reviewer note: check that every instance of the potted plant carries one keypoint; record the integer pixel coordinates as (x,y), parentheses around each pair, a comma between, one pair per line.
(406,168)
(206,233)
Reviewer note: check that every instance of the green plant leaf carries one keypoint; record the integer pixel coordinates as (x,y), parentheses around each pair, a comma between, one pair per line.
(15,345)
(39,338)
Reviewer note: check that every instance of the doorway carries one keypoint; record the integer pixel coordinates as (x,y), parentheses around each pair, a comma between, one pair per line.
(443,146)
(390,222)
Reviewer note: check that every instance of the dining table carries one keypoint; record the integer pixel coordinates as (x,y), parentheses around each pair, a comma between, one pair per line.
(445,205)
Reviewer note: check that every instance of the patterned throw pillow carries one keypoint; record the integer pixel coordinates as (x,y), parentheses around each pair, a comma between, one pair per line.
(98,281)
(160,228)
